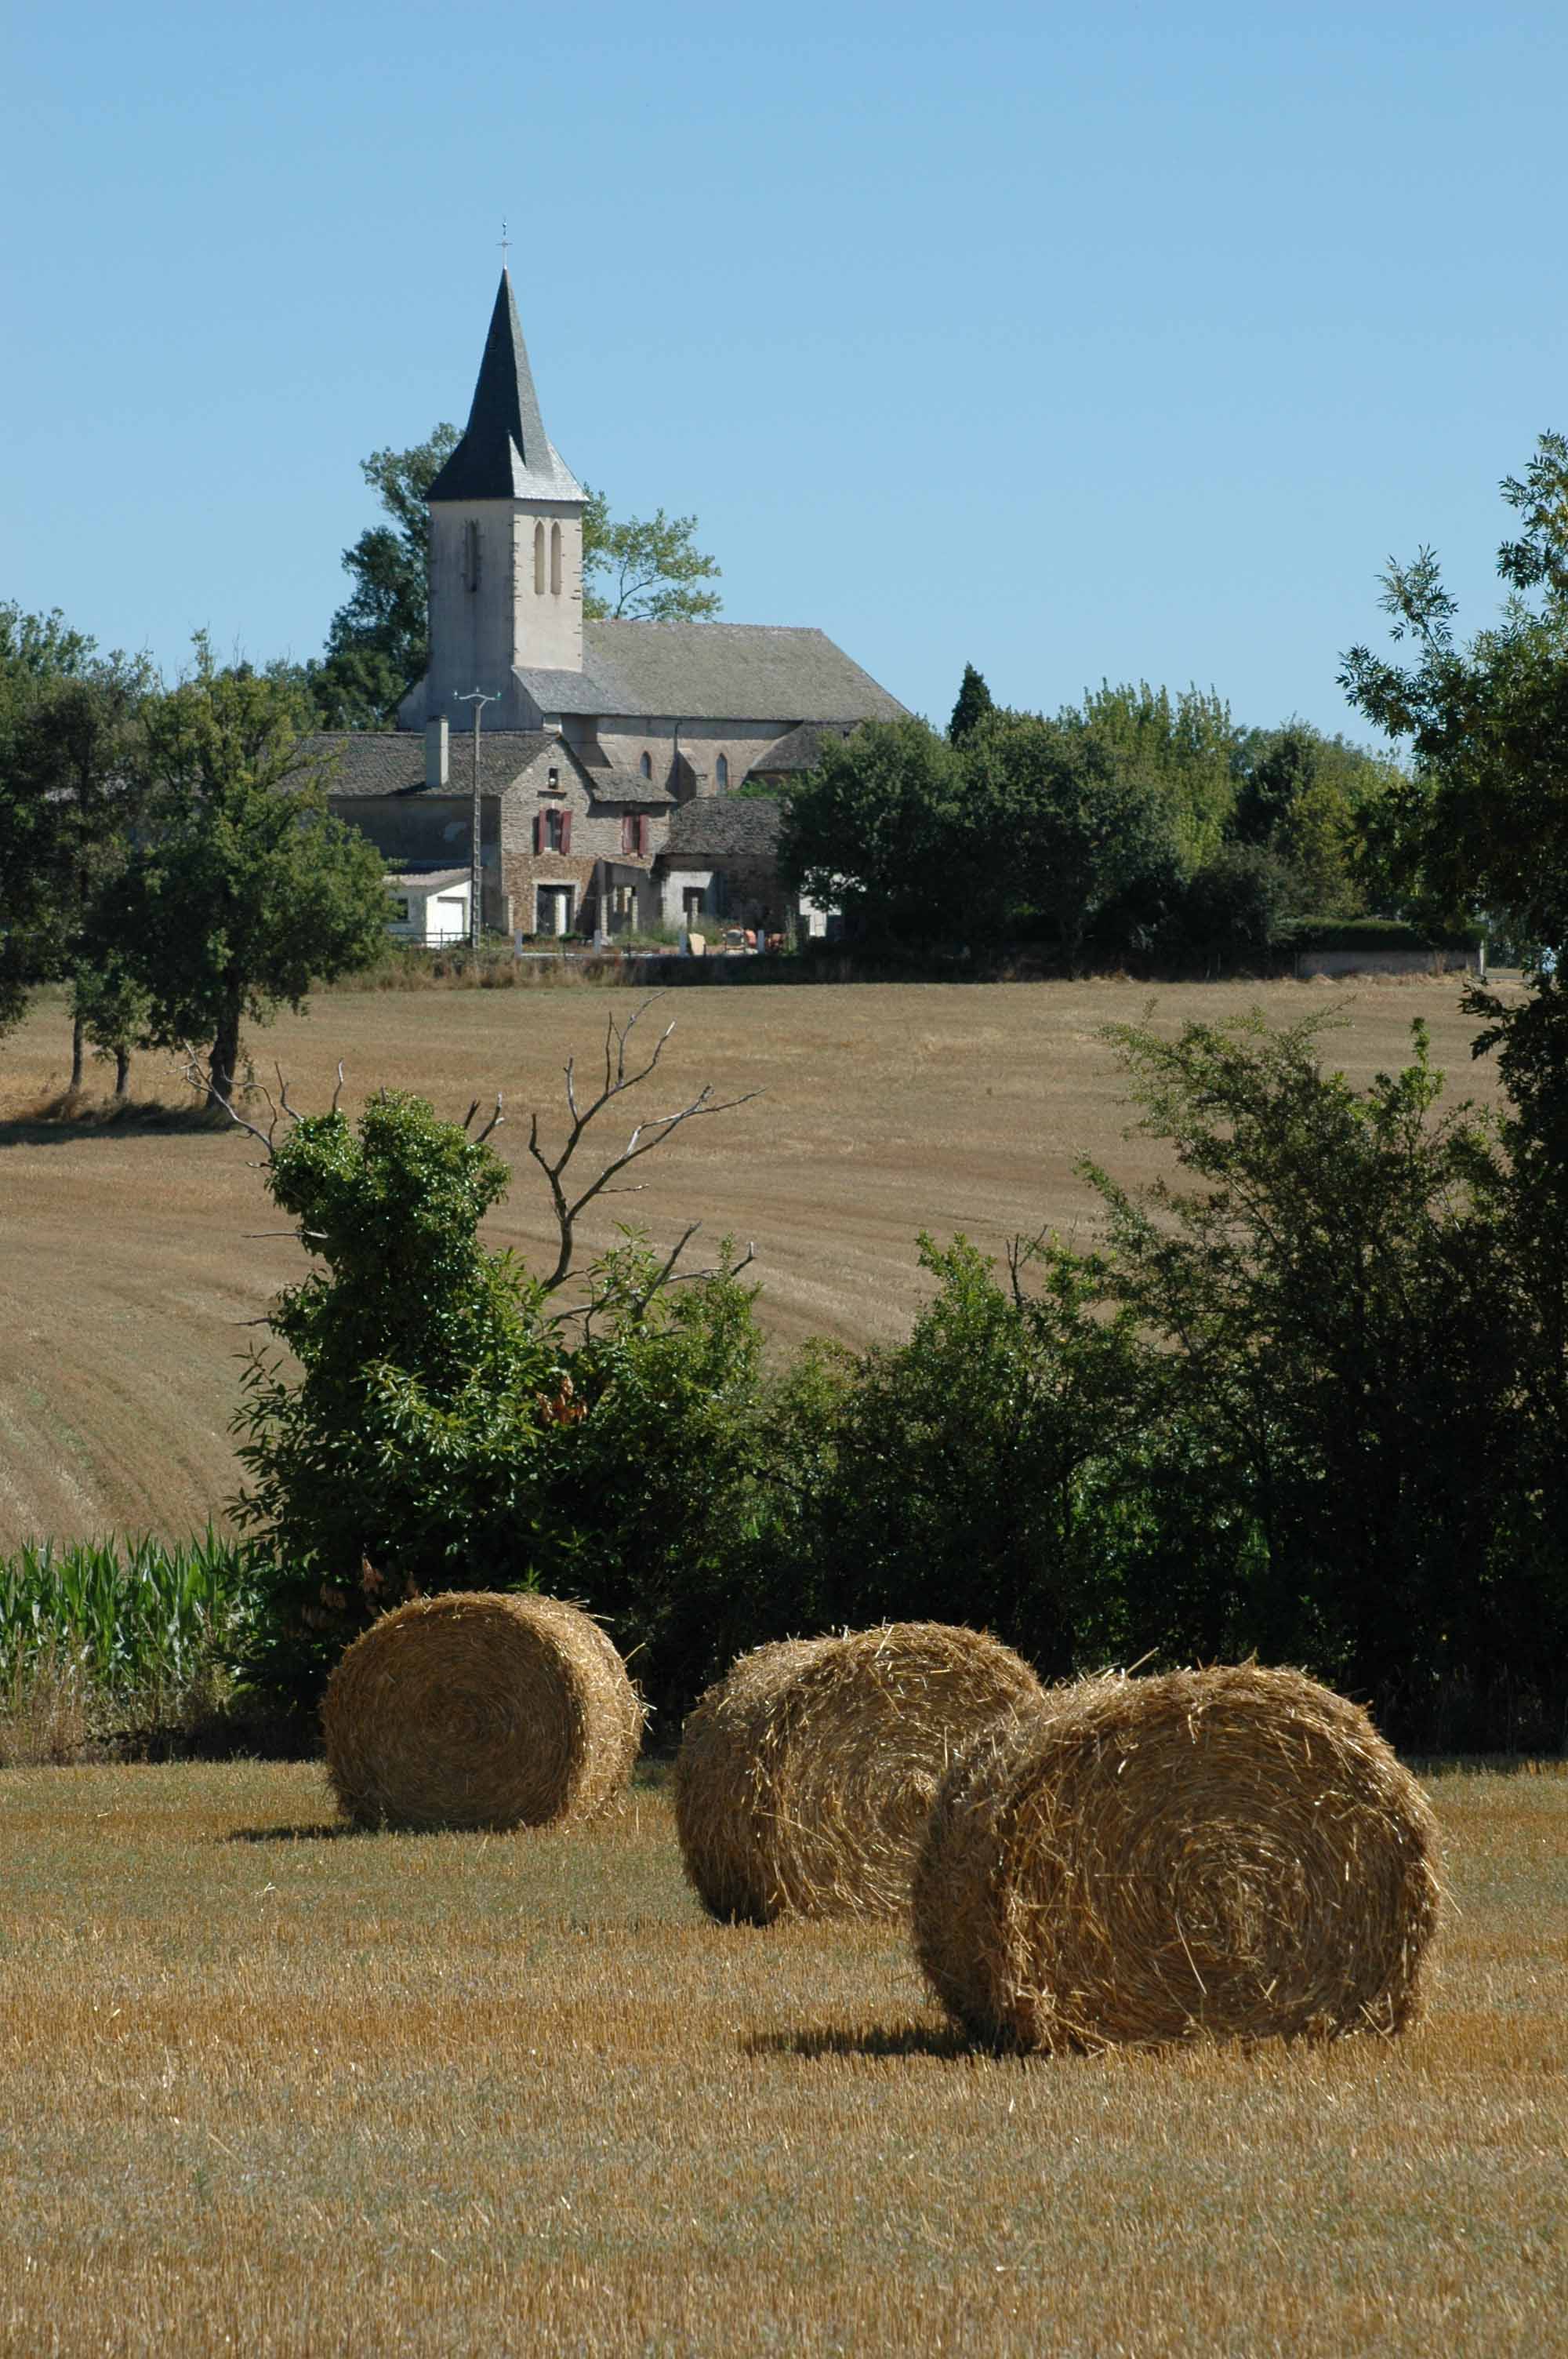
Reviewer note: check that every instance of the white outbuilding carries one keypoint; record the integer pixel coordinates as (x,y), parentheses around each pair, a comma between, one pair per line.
(429,906)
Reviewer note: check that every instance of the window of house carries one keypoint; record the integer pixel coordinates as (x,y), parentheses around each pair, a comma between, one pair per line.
(721,773)
(470,554)
(555,561)
(553,782)
(399,911)
(538,561)
(553,831)
(645,767)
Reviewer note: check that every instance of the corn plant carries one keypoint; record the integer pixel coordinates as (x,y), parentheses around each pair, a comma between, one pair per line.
(135,1616)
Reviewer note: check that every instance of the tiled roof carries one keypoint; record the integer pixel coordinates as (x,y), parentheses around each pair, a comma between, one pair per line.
(720,827)
(392,761)
(802,749)
(612,785)
(428,880)
(713,671)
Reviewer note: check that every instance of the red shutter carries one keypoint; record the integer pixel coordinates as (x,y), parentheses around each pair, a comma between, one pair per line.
(643,837)
(539,831)
(566,830)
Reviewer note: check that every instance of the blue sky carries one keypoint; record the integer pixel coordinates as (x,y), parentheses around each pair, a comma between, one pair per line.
(1073,344)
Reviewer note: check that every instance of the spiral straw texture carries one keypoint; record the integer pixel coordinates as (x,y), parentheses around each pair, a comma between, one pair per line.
(805,1777)
(1232,1853)
(479,1710)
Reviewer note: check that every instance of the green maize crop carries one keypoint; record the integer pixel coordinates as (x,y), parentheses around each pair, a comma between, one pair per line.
(136,1616)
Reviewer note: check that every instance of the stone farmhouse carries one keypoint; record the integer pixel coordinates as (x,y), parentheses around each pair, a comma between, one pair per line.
(609,764)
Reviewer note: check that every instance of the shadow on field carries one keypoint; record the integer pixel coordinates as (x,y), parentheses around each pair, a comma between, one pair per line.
(329,1830)
(63,1121)
(866,2040)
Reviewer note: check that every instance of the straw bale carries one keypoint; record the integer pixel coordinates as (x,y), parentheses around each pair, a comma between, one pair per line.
(479,1710)
(1232,1853)
(805,1776)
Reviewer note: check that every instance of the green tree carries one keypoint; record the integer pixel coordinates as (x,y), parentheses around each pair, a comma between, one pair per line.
(243,889)
(974,703)
(644,568)
(874,830)
(1315,802)
(112,1008)
(1227,912)
(1483,825)
(948,1477)
(1181,749)
(73,759)
(377,643)
(67,797)
(1057,830)
(1333,1292)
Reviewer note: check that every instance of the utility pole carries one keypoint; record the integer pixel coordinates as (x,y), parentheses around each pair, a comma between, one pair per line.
(479,697)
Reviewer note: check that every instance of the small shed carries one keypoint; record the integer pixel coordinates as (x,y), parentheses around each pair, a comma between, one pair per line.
(429,906)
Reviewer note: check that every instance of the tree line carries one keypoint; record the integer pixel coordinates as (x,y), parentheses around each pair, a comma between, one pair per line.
(1134,824)
(167,853)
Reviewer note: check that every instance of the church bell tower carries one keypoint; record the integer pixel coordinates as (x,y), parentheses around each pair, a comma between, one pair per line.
(505,547)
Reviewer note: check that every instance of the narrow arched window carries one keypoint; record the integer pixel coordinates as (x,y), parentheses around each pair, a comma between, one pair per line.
(555,561)
(645,767)
(722,774)
(470,554)
(538,561)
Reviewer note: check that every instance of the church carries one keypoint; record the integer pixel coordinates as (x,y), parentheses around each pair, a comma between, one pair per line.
(611,755)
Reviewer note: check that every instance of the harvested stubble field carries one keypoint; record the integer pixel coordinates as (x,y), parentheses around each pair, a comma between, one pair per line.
(270,2090)
(129,1257)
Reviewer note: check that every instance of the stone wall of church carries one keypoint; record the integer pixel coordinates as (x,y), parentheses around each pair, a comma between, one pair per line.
(505,590)
(742,742)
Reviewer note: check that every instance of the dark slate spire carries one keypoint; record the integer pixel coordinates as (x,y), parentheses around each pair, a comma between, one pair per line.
(505,453)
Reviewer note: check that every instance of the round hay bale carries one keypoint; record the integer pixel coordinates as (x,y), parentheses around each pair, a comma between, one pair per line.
(805,1776)
(1230,1854)
(479,1710)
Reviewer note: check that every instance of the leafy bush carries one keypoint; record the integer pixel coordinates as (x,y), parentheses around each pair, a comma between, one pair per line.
(950,1470)
(1337,1300)
(442,1425)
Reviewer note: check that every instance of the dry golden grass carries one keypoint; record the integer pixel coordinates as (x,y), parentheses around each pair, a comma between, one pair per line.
(128,1258)
(272,2092)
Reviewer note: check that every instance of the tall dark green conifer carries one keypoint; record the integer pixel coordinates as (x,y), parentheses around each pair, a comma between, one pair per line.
(974,703)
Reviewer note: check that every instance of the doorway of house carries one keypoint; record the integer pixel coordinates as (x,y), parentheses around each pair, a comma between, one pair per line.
(691,905)
(554,904)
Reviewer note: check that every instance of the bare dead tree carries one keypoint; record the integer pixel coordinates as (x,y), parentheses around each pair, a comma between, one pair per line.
(279,1109)
(621,1074)
(1020,1252)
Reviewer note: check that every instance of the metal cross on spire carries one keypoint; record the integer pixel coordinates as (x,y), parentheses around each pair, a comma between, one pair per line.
(504,241)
